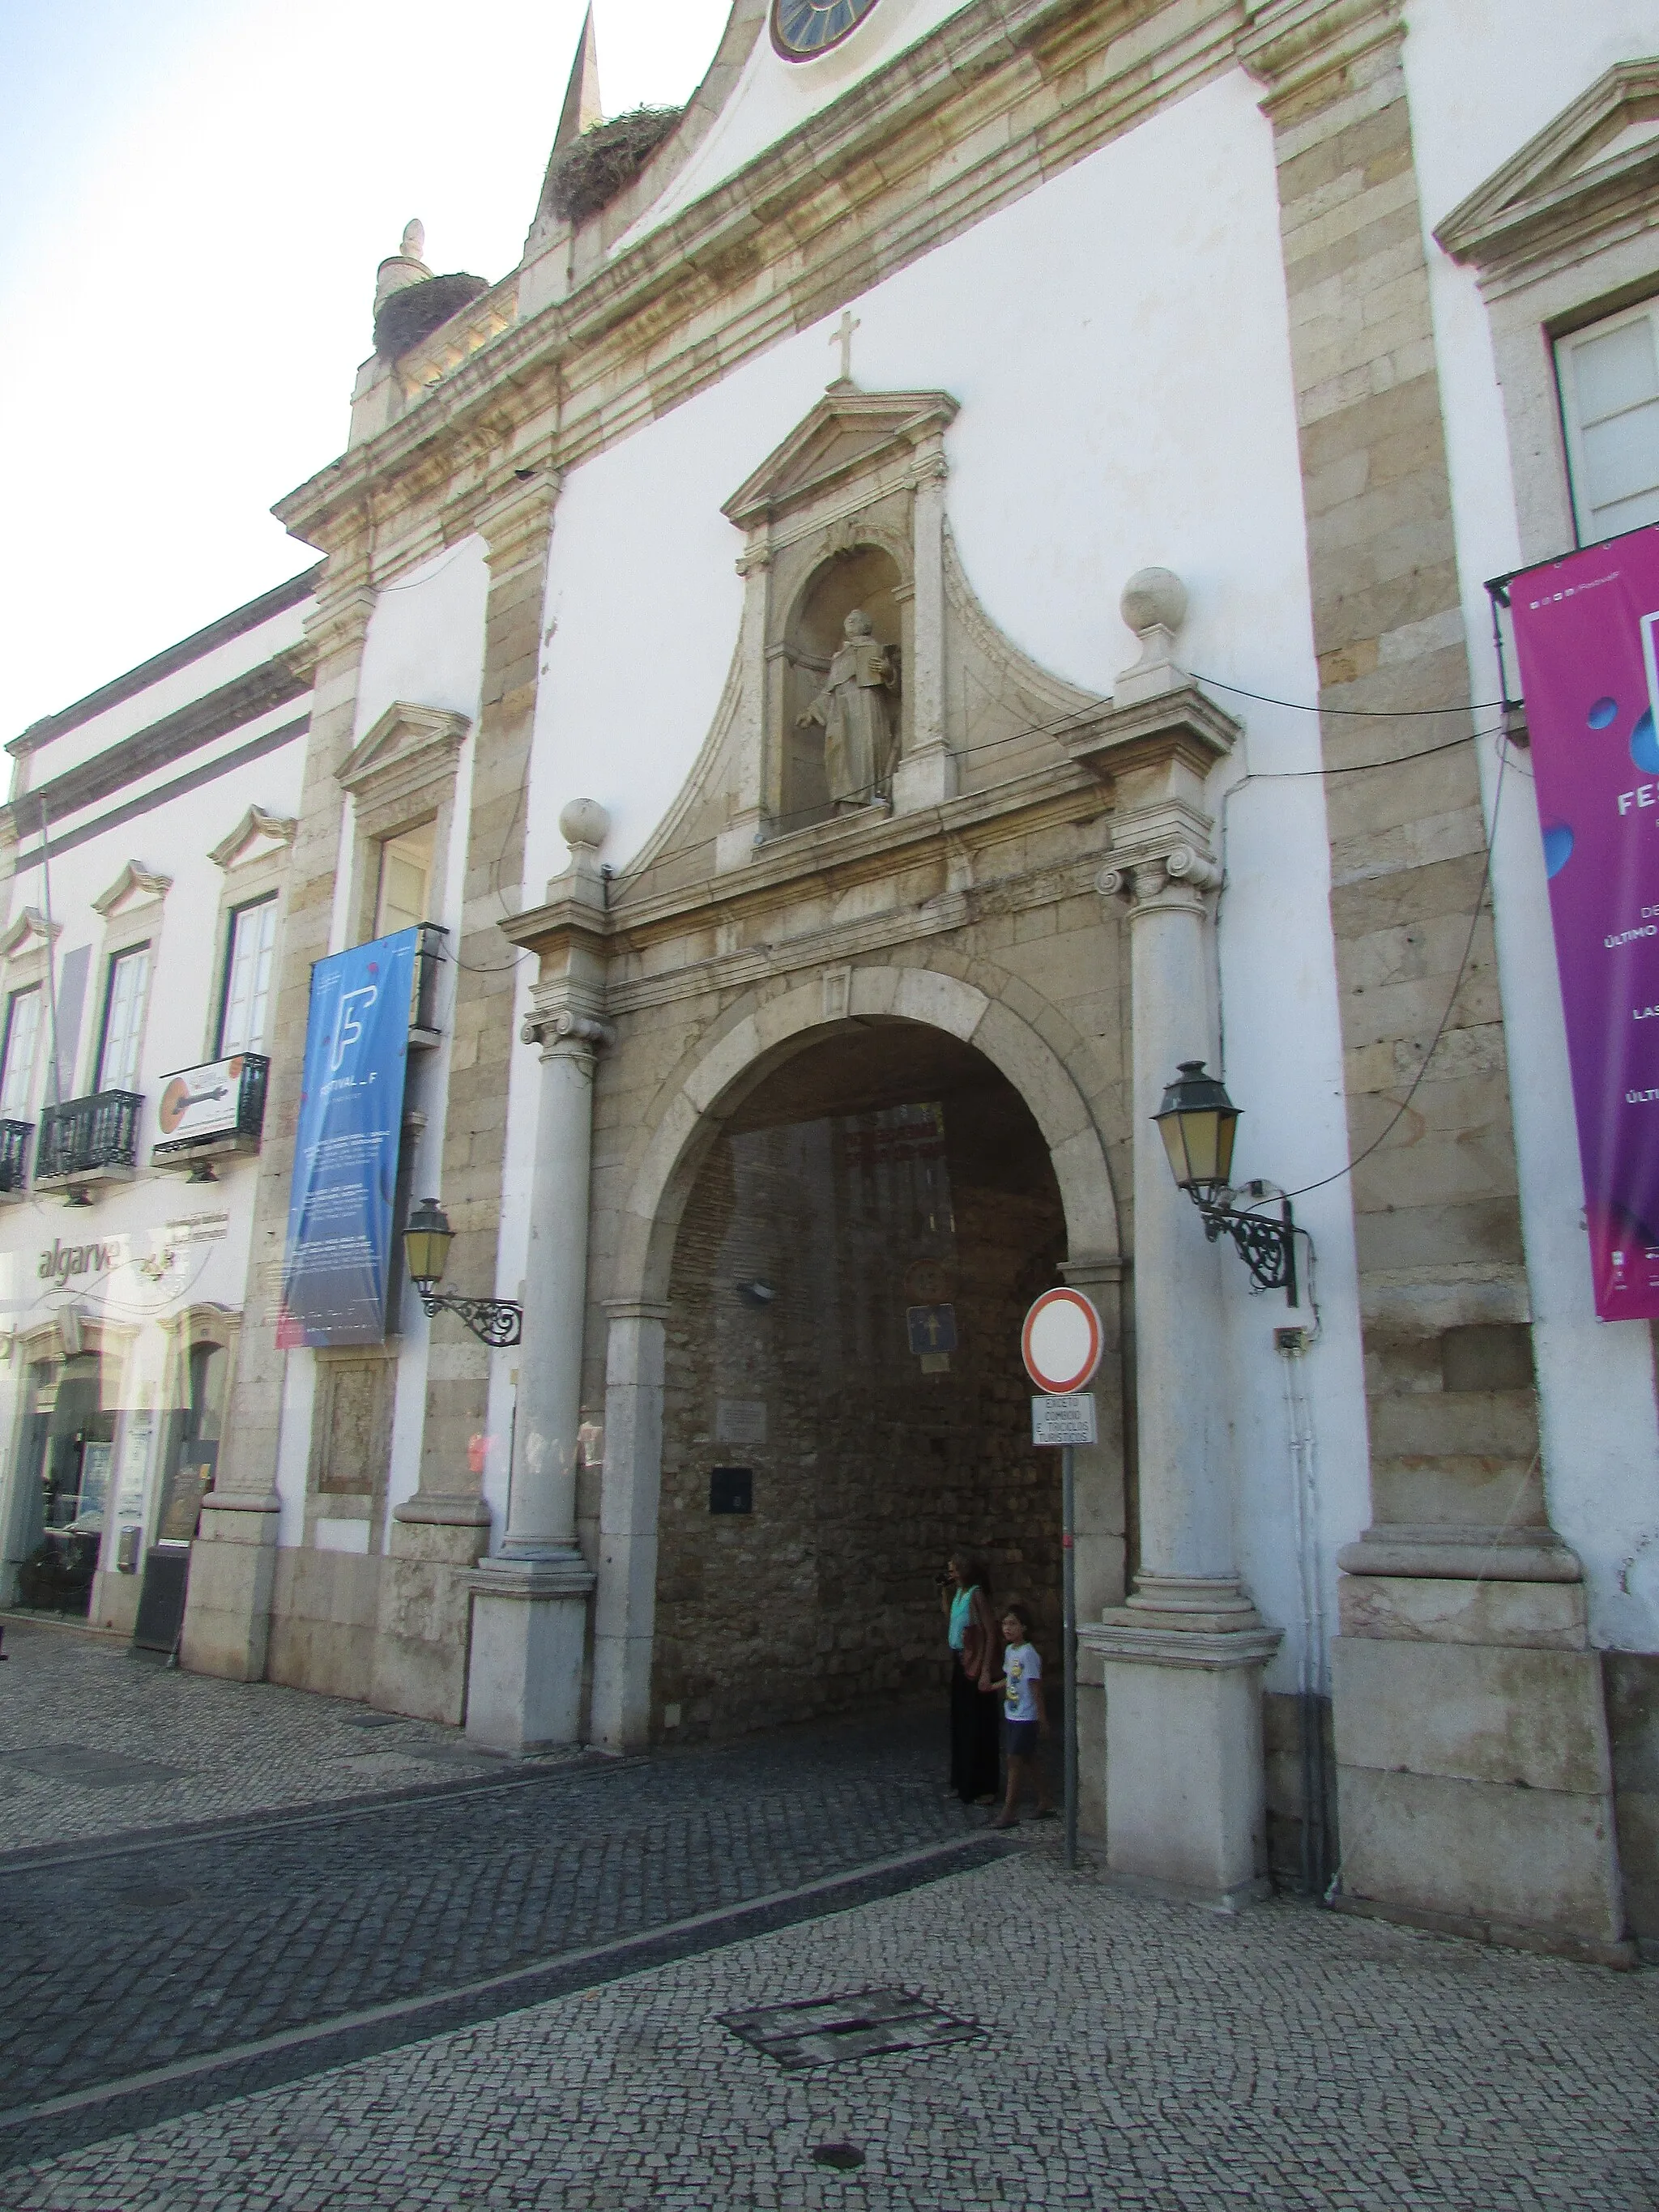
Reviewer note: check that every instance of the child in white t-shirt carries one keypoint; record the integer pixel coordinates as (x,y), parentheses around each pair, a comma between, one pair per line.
(1025,1718)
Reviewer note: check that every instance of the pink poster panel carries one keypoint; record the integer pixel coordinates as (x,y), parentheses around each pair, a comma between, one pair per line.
(1585,631)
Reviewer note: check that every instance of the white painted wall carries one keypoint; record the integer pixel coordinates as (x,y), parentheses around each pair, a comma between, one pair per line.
(1483,76)
(773,97)
(194,681)
(1101,429)
(425,647)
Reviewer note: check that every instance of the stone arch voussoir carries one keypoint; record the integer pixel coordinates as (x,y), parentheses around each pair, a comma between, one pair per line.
(758,1033)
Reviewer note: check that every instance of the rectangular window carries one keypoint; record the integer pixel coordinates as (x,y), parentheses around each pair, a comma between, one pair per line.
(248,978)
(405,885)
(124,1020)
(1610,380)
(22,1042)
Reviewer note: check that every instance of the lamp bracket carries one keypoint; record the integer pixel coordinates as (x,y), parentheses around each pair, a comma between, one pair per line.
(498,1322)
(1266,1246)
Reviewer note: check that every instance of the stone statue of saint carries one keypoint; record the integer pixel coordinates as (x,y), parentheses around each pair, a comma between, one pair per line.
(858,729)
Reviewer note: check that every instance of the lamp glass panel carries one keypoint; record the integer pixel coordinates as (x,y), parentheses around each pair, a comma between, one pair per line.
(1170,1128)
(425,1251)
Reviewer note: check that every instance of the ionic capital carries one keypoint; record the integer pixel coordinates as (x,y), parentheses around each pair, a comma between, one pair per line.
(1179,880)
(561,1031)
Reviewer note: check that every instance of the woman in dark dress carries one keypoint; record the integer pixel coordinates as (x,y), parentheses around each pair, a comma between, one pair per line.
(965,1597)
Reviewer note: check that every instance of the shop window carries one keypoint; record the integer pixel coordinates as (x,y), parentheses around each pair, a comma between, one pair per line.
(1609,380)
(124,1019)
(21,1043)
(406,879)
(248,960)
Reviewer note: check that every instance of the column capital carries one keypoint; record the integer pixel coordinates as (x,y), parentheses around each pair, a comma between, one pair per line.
(513,521)
(1179,879)
(562,1029)
(1289,45)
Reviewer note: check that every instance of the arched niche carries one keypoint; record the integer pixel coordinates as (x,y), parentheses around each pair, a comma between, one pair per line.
(865,577)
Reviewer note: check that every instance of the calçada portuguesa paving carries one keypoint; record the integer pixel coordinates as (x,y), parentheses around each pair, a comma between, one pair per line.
(284,1977)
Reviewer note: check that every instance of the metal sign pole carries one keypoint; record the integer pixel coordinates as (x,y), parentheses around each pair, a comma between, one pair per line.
(1068,1502)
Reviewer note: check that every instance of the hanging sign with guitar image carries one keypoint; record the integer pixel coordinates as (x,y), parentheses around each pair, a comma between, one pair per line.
(200,1102)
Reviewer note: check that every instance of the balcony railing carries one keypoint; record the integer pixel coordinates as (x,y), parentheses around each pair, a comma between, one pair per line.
(14,1156)
(88,1136)
(233,1121)
(430,958)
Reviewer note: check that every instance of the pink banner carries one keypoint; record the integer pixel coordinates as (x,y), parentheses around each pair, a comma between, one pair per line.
(1585,631)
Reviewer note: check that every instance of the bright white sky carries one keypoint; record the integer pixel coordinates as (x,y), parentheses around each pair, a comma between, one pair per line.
(198,194)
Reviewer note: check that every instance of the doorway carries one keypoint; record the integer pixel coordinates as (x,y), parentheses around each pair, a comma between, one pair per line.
(844,1401)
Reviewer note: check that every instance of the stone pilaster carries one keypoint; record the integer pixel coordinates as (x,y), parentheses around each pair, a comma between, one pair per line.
(1442,1811)
(232,1564)
(438,1535)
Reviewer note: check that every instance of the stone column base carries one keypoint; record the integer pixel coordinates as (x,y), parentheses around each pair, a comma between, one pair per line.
(1474,1773)
(233,1568)
(1185,1801)
(423,1609)
(523,1677)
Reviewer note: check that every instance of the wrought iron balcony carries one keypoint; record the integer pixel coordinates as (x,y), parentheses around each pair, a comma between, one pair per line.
(216,1107)
(15,1157)
(88,1139)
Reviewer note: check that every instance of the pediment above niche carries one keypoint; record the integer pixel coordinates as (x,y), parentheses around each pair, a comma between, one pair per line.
(407,748)
(256,837)
(30,933)
(1590,175)
(136,885)
(850,436)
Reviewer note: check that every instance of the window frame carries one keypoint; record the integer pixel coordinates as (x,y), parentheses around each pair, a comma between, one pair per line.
(267,900)
(143,947)
(1562,344)
(36,992)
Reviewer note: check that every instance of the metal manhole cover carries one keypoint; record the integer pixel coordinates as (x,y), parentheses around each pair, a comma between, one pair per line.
(864,2023)
(90,1770)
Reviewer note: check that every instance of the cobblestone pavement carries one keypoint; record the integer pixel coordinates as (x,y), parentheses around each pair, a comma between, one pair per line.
(128,1955)
(1141,2056)
(219,1750)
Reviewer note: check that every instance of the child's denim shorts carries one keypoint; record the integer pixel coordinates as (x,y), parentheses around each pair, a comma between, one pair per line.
(1019,1739)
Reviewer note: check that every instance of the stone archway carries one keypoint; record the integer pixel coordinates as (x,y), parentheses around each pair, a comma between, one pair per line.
(708,1091)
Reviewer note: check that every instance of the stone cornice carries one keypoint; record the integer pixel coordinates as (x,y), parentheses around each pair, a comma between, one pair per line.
(1183,726)
(680,308)
(826,860)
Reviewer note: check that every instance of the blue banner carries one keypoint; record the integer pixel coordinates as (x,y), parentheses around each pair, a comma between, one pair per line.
(345,1150)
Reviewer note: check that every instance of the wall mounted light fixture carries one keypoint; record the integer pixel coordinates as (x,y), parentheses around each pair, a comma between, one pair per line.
(427,1240)
(1198,1123)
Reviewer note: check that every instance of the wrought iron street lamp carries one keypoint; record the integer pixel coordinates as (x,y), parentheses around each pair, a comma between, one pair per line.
(1198,1123)
(426,1247)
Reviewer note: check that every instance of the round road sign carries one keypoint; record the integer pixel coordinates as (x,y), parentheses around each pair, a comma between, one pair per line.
(1060,1342)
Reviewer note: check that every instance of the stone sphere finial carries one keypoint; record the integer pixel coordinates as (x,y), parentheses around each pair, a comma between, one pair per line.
(1154,598)
(414,245)
(584,822)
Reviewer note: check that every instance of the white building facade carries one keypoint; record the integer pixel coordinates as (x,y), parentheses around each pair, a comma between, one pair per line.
(959,590)
(146,847)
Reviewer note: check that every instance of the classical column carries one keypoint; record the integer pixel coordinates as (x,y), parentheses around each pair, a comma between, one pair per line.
(624,1607)
(1183,1657)
(530,1600)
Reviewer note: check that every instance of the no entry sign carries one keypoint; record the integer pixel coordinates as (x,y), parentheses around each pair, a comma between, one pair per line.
(1060,1342)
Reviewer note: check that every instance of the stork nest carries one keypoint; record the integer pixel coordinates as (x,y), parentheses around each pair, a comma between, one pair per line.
(604,160)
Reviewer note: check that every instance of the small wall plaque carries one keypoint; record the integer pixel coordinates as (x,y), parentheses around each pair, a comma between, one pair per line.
(731,1490)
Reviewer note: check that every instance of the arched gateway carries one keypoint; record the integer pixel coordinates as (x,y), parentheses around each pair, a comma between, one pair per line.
(878,1152)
